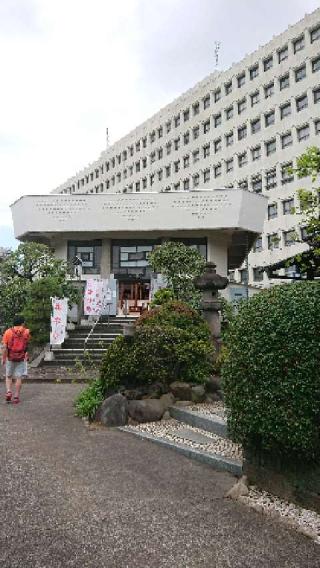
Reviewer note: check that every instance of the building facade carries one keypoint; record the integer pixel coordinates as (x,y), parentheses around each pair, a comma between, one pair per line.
(239,128)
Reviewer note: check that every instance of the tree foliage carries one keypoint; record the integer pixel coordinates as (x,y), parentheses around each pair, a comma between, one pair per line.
(29,276)
(180,265)
(271,371)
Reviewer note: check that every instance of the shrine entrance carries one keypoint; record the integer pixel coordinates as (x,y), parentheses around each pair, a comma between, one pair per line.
(134,296)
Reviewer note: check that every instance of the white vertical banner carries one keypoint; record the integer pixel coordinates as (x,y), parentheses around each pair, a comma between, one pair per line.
(58,320)
(93,297)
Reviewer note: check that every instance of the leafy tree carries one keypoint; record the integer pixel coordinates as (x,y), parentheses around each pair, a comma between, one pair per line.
(308,165)
(180,265)
(29,276)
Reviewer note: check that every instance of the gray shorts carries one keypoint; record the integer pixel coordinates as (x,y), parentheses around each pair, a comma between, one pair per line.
(16,369)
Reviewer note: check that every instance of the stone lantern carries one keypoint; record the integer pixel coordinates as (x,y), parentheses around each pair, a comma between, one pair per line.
(209,284)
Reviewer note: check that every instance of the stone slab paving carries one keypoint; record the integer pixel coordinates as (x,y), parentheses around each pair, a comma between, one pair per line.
(72,496)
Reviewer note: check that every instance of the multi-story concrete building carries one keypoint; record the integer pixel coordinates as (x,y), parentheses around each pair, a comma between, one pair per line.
(242,127)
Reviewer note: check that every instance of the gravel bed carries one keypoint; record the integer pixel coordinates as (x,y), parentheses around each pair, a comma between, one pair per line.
(303,520)
(208,409)
(163,429)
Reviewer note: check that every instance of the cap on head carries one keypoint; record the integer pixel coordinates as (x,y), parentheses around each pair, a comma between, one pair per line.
(18,320)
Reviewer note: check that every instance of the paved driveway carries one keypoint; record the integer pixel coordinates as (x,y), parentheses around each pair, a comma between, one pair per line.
(74,497)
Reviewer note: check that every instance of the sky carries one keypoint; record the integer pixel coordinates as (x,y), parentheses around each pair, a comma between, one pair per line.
(71,68)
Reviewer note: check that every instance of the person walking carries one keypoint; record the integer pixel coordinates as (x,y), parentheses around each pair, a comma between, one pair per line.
(15,355)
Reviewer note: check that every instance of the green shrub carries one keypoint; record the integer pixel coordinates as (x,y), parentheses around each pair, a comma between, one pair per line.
(89,399)
(161,297)
(271,371)
(172,342)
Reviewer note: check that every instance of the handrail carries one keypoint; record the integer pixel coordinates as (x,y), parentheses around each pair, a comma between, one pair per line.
(90,333)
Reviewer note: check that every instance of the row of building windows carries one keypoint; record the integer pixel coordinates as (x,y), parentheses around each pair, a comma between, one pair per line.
(284,82)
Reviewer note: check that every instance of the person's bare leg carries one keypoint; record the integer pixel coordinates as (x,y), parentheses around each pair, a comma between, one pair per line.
(18,387)
(9,384)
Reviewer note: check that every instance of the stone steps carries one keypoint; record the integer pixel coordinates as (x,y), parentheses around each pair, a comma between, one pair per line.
(196,434)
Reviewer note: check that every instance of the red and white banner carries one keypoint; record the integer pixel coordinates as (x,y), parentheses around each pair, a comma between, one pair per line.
(97,295)
(58,320)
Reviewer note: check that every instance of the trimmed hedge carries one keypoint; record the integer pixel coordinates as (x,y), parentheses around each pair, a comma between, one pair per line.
(271,371)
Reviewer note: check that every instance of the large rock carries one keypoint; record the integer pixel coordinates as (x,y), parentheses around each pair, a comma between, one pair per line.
(113,411)
(149,410)
(198,393)
(181,391)
(213,384)
(167,400)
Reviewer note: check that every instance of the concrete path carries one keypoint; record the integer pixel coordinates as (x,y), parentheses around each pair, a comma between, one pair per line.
(75,497)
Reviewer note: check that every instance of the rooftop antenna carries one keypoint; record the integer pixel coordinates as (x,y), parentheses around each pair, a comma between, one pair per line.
(107,138)
(217,45)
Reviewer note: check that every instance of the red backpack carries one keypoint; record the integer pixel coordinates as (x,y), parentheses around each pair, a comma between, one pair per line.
(17,346)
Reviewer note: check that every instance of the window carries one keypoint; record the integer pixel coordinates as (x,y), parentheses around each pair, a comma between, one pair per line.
(316,96)
(152,157)
(298,44)
(217,170)
(242,159)
(89,252)
(241,79)
(254,98)
(196,180)
(206,151)
(144,143)
(244,277)
(317,126)
(271,146)
(124,156)
(272,211)
(151,179)
(160,132)
(206,102)
(144,183)
(273,241)
(269,90)
(186,184)
(268,63)
(196,108)
(302,102)
(316,65)
(177,120)
(176,166)
(229,165)
(304,233)
(257,247)
(256,184)
(217,95)
(113,162)
(137,186)
(303,132)
(283,53)
(186,115)
(286,140)
(271,178)
(254,71)
(168,148)
(256,153)
(206,176)
(242,132)
(228,88)
(186,138)
(137,166)
(258,274)
(206,126)
(168,171)
(289,237)
(176,186)
(217,145)
(255,125)
(288,206)
(300,73)
(176,143)
(286,174)
(186,161)
(152,138)
(217,120)
(196,132)
(229,112)
(168,126)
(284,82)
(229,139)
(285,110)
(160,153)
(315,34)
(196,155)
(242,105)
(269,118)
